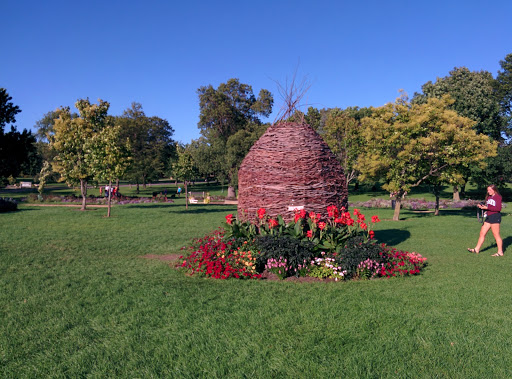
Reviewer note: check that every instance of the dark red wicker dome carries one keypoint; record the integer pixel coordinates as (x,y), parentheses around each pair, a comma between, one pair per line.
(290,166)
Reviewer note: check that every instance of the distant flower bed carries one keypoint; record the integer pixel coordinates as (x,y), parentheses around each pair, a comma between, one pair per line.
(340,247)
(35,198)
(416,204)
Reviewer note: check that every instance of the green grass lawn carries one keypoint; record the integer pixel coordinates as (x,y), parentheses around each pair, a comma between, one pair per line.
(78,301)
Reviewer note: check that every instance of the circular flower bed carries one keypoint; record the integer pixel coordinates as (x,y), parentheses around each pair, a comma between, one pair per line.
(340,247)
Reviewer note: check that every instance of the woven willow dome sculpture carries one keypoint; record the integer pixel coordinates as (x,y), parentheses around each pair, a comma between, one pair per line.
(290,167)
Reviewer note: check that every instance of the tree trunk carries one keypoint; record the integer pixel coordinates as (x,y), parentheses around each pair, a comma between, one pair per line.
(186,194)
(396,215)
(437,194)
(456,194)
(231,193)
(109,197)
(137,191)
(83,190)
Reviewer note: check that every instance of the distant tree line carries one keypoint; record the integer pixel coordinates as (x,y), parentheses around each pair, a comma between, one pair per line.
(456,130)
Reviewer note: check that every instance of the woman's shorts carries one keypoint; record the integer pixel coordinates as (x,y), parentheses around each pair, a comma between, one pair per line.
(494,218)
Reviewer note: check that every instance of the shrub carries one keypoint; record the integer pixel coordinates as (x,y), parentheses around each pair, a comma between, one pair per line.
(296,253)
(8,205)
(358,250)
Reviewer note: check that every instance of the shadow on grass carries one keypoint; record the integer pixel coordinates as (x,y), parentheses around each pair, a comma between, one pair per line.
(506,243)
(152,205)
(409,214)
(220,208)
(392,237)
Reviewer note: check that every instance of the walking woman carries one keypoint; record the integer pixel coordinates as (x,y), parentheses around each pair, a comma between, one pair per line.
(492,220)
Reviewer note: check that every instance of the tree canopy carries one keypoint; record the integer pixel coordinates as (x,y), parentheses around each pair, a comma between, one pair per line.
(407,144)
(73,142)
(343,134)
(229,124)
(18,153)
(151,144)
(504,90)
(8,110)
(474,97)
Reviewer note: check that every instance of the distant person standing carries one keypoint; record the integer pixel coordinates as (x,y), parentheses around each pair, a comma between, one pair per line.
(492,207)
(107,190)
(179,191)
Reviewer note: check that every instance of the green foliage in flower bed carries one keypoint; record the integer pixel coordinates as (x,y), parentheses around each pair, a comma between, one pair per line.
(8,205)
(338,247)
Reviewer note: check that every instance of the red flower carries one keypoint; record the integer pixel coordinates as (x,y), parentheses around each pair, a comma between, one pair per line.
(371,233)
(309,234)
(356,212)
(272,223)
(312,216)
(375,219)
(261,213)
(229,219)
(300,214)
(363,226)
(332,211)
(322,225)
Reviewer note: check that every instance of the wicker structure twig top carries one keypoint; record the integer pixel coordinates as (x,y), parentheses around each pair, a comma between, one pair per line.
(290,167)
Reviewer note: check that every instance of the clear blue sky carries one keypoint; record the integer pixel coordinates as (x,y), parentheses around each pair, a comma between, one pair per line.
(158,53)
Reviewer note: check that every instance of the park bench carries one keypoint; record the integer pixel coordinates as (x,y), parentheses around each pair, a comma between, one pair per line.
(196,197)
(25,184)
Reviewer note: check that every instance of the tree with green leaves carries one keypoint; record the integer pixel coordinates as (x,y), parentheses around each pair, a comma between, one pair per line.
(109,156)
(184,169)
(343,134)
(407,144)
(73,143)
(151,144)
(225,111)
(8,110)
(474,97)
(503,85)
(18,153)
